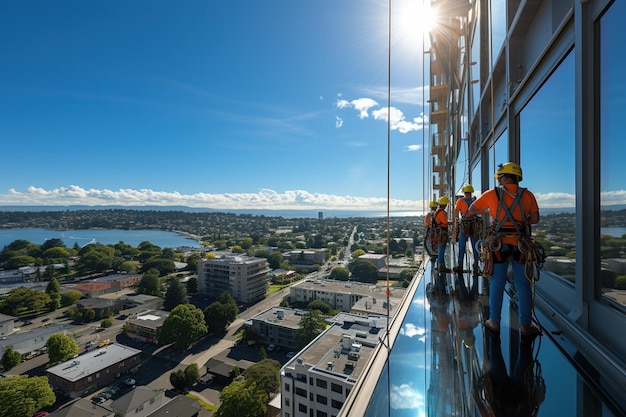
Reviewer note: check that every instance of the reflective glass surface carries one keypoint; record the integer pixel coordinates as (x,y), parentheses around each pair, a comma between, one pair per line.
(444,363)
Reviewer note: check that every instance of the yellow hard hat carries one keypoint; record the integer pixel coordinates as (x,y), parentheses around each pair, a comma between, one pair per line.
(433,204)
(509,168)
(443,201)
(468,188)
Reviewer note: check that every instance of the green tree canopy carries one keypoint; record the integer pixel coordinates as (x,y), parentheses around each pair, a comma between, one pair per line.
(70,297)
(319,305)
(364,271)
(275,259)
(163,265)
(242,399)
(149,283)
(265,374)
(192,262)
(311,325)
(54,292)
(52,243)
(339,273)
(192,285)
(184,325)
(11,358)
(22,301)
(61,347)
(95,257)
(357,253)
(21,396)
(176,294)
(19,261)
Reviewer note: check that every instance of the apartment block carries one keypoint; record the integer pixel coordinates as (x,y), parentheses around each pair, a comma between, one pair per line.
(344,295)
(245,277)
(317,381)
(278,326)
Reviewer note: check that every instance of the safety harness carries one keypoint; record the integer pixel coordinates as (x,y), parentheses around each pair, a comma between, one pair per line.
(532,253)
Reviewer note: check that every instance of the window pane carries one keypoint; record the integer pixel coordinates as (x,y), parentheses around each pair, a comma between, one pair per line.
(547,157)
(612,107)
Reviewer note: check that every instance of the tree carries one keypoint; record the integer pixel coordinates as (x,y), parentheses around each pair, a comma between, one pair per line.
(95,257)
(192,374)
(21,396)
(242,399)
(11,358)
(149,283)
(216,317)
(176,294)
(106,323)
(163,265)
(70,297)
(52,243)
(22,301)
(184,325)
(339,273)
(364,271)
(61,347)
(192,285)
(177,379)
(311,325)
(265,374)
(357,253)
(54,292)
(275,259)
(319,305)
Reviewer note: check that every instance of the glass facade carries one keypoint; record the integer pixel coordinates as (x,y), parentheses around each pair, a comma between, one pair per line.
(559,118)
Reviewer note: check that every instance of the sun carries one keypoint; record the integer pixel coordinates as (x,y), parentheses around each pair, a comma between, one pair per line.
(412,18)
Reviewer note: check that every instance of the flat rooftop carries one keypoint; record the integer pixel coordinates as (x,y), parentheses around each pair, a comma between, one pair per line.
(92,362)
(345,347)
(290,317)
(152,318)
(348,287)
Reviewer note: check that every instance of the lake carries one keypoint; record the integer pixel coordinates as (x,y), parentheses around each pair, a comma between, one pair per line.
(159,238)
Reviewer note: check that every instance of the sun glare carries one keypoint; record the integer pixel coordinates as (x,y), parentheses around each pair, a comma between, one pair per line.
(413,18)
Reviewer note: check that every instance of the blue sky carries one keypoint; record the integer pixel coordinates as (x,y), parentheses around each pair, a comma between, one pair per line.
(237,104)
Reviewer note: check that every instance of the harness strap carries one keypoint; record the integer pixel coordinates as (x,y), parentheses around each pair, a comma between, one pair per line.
(508,211)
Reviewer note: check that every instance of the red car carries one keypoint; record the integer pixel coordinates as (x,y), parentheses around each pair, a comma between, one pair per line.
(40,414)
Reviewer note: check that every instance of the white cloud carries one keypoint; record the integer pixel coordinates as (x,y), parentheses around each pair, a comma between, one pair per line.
(362,105)
(338,122)
(413,148)
(411,330)
(267,199)
(398,121)
(406,397)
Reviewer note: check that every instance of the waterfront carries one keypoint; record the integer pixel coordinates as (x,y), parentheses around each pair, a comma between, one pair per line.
(163,239)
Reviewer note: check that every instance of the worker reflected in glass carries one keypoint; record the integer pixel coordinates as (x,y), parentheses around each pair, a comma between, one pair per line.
(467,308)
(466,226)
(440,223)
(430,237)
(513,210)
(516,395)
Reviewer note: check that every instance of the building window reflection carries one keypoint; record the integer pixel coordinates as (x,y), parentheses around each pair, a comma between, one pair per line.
(612,188)
(547,157)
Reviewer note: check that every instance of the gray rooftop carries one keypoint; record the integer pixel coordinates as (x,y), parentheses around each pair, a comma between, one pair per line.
(151,319)
(290,317)
(92,362)
(345,347)
(134,399)
(348,287)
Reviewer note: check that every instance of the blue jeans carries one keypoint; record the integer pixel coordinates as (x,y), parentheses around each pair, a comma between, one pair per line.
(462,244)
(440,258)
(522,287)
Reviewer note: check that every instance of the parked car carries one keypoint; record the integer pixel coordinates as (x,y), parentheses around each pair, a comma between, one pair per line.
(291,354)
(113,390)
(271,347)
(130,382)
(98,399)
(40,414)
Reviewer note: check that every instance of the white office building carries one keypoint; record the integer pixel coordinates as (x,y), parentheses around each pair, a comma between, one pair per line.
(243,276)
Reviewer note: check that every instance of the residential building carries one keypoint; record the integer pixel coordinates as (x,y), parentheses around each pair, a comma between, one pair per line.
(340,295)
(539,83)
(145,326)
(139,402)
(305,258)
(6,324)
(278,326)
(380,260)
(32,342)
(245,277)
(319,378)
(102,307)
(93,370)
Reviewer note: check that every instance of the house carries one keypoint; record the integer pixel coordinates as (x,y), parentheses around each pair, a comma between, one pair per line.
(93,370)
(102,307)
(139,402)
(146,326)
